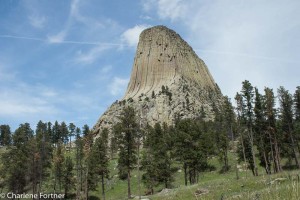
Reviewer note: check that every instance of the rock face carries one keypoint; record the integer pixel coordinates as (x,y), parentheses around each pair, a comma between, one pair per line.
(168,79)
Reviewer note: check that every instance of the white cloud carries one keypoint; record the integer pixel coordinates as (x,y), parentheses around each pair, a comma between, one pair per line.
(106,69)
(5,74)
(61,35)
(23,100)
(58,38)
(167,9)
(92,55)
(118,86)
(238,40)
(131,36)
(37,21)
(148,4)
(172,9)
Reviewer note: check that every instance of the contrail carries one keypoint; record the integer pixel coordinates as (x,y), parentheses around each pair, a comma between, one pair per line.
(247,55)
(62,42)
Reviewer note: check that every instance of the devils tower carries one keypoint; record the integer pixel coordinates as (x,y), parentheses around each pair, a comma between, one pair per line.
(168,80)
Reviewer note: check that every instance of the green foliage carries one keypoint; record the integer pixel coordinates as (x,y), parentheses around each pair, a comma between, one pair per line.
(157,157)
(193,146)
(68,175)
(5,135)
(85,130)
(126,131)
(58,160)
(287,123)
(98,161)
(16,161)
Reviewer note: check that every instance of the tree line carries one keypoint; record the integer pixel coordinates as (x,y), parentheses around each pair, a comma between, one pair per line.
(264,135)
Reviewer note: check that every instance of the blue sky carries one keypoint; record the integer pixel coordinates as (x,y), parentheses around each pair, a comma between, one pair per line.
(70,60)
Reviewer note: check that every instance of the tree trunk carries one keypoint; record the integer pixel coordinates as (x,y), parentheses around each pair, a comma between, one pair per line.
(252,152)
(128,184)
(103,189)
(294,150)
(185,174)
(77,173)
(277,154)
(86,184)
(243,146)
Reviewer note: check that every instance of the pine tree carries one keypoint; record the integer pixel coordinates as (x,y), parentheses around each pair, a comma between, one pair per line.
(193,146)
(56,133)
(16,160)
(72,129)
(79,163)
(44,150)
(64,133)
(243,142)
(247,94)
(126,133)
(5,135)
(229,116)
(67,174)
(222,140)
(274,137)
(260,132)
(297,104)
(286,117)
(88,164)
(85,130)
(58,160)
(99,160)
(297,115)
(156,159)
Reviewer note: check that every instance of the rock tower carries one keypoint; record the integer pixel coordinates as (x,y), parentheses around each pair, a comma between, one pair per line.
(168,79)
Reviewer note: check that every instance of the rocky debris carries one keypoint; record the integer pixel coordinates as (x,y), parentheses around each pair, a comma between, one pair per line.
(168,80)
(201,191)
(237,196)
(142,197)
(165,192)
(278,180)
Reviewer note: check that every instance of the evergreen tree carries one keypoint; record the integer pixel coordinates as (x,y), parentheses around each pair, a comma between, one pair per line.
(79,162)
(247,94)
(156,159)
(16,160)
(34,160)
(85,130)
(297,115)
(88,164)
(72,129)
(43,151)
(243,142)
(297,104)
(5,135)
(274,137)
(56,133)
(99,160)
(68,181)
(286,117)
(193,146)
(229,116)
(58,160)
(64,133)
(260,132)
(221,137)
(126,133)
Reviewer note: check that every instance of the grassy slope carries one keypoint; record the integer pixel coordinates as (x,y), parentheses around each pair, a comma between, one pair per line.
(219,185)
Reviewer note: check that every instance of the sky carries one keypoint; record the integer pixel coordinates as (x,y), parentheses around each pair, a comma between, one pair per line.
(70,60)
